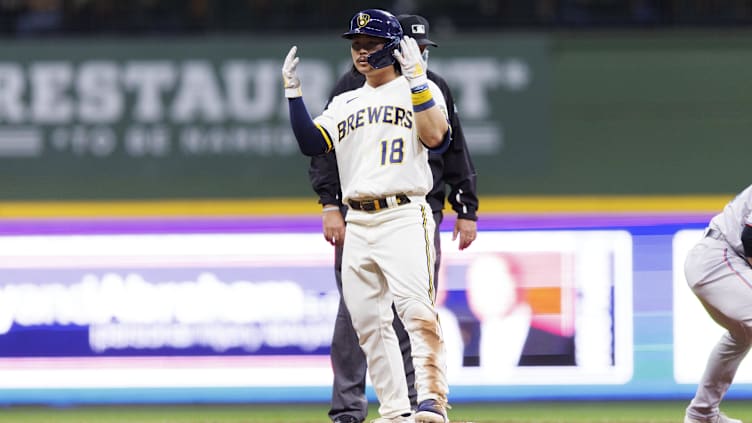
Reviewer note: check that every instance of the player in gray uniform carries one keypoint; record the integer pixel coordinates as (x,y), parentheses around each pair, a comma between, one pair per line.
(381,134)
(719,273)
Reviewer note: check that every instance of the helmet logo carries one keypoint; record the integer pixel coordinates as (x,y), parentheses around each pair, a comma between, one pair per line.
(363,20)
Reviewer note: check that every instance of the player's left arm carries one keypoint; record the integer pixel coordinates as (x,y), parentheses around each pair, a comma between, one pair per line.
(432,123)
(431,119)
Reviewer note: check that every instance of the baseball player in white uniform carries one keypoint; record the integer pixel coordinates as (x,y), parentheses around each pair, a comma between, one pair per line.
(381,134)
(718,271)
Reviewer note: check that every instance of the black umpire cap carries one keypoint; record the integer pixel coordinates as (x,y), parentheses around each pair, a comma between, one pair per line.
(416,26)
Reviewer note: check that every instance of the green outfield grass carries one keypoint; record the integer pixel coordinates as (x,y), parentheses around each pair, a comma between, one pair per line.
(518,412)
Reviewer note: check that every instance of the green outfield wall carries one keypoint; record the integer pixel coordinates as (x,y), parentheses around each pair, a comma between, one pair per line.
(555,114)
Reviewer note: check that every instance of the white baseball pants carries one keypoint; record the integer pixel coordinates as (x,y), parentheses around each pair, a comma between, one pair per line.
(389,258)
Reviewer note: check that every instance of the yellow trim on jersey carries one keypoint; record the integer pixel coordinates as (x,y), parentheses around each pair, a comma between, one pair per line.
(427,237)
(327,138)
(310,206)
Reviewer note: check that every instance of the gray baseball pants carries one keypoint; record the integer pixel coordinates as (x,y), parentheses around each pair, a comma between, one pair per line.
(722,281)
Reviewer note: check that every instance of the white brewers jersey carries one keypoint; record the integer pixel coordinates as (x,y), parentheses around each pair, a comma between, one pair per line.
(376,142)
(732,219)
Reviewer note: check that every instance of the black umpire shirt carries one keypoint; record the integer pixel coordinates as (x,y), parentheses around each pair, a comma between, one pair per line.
(454,167)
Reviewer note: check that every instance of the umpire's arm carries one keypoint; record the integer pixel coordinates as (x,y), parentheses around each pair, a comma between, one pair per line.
(323,170)
(459,174)
(459,170)
(324,178)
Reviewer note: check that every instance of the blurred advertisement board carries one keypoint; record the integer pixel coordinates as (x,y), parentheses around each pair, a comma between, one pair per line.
(165,310)
(257,309)
(539,307)
(207,117)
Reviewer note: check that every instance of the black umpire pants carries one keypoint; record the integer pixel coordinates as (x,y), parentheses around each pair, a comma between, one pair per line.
(348,360)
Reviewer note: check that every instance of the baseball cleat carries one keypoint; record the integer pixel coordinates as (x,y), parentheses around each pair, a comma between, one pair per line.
(721,418)
(431,411)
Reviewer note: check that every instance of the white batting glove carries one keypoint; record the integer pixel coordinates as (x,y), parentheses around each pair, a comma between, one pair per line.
(289,75)
(411,61)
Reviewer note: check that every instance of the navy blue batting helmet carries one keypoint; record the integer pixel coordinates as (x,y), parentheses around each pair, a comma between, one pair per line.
(377,23)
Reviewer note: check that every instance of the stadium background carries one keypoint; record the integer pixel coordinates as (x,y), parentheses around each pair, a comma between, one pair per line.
(594,123)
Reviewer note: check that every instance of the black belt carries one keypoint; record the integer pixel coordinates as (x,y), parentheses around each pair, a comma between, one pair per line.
(715,234)
(378,203)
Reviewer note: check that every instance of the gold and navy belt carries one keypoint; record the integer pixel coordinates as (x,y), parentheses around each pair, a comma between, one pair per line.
(374,204)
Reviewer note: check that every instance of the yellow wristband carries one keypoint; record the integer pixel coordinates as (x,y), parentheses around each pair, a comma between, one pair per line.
(421,97)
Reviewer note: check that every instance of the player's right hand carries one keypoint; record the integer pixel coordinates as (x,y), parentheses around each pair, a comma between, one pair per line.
(289,74)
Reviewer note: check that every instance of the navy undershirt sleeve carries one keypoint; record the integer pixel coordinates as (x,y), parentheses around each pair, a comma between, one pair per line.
(444,146)
(311,139)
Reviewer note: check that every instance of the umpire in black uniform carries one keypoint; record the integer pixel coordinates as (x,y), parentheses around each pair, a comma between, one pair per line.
(453,168)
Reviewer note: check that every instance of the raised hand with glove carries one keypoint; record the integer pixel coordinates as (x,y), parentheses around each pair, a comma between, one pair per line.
(310,139)
(289,74)
(432,122)
(411,62)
